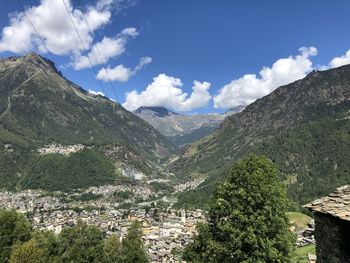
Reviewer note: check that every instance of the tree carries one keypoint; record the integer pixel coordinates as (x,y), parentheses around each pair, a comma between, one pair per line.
(133,250)
(49,244)
(112,250)
(81,243)
(247,220)
(14,227)
(28,252)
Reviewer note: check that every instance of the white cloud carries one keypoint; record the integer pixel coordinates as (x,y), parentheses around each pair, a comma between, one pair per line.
(167,91)
(340,61)
(102,51)
(121,73)
(245,90)
(93,92)
(53,23)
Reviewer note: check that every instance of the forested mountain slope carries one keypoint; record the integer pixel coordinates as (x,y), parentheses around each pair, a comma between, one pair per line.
(303,127)
(38,106)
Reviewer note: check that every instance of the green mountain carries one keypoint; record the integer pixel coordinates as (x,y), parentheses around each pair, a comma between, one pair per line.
(303,127)
(38,107)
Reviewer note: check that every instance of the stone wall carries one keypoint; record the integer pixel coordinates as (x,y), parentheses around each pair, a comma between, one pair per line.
(332,239)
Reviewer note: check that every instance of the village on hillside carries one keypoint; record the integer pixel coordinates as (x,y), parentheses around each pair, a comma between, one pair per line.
(113,208)
(164,230)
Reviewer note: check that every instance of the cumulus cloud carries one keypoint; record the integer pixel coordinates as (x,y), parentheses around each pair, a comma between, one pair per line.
(107,48)
(53,23)
(245,90)
(167,91)
(121,73)
(340,61)
(93,92)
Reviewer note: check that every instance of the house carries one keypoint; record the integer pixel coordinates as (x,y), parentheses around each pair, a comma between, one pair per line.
(332,231)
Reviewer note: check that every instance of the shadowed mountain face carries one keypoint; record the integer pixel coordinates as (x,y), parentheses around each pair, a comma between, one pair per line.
(38,106)
(304,127)
(181,129)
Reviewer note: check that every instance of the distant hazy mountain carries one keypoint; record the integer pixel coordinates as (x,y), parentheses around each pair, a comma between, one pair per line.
(181,129)
(160,112)
(38,106)
(303,127)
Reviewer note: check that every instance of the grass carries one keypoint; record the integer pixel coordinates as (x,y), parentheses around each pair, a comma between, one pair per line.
(299,220)
(301,253)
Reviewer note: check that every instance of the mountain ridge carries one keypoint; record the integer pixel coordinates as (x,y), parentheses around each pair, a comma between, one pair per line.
(291,126)
(181,129)
(38,106)
(159,111)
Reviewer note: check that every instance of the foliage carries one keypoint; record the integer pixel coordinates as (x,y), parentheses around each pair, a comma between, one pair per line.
(112,250)
(132,246)
(80,243)
(87,197)
(160,186)
(123,195)
(77,170)
(247,220)
(27,252)
(13,228)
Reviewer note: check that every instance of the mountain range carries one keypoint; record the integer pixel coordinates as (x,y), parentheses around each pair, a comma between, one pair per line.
(39,107)
(182,129)
(54,135)
(303,127)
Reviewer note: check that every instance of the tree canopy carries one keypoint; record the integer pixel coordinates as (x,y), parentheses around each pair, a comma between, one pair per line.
(247,221)
(80,243)
(14,227)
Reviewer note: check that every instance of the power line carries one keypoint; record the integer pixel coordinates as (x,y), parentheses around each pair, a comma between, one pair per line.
(99,54)
(30,21)
(85,50)
(82,43)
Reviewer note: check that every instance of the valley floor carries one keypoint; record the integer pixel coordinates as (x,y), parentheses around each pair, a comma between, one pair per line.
(114,207)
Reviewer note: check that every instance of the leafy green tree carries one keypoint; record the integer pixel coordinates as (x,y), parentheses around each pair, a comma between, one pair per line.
(81,243)
(133,250)
(14,227)
(247,220)
(49,243)
(112,250)
(28,252)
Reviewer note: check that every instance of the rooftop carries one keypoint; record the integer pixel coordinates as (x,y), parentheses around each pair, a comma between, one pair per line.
(336,204)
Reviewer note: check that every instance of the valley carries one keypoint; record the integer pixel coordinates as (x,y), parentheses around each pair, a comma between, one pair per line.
(174,131)
(72,155)
(76,138)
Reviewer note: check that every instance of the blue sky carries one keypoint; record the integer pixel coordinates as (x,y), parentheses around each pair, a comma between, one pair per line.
(218,44)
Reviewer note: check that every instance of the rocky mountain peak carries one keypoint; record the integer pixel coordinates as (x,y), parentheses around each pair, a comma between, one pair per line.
(156,111)
(30,60)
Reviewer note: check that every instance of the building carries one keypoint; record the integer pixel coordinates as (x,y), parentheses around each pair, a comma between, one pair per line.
(332,220)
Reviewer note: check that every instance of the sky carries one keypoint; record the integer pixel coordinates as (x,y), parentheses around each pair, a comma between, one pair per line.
(194,56)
